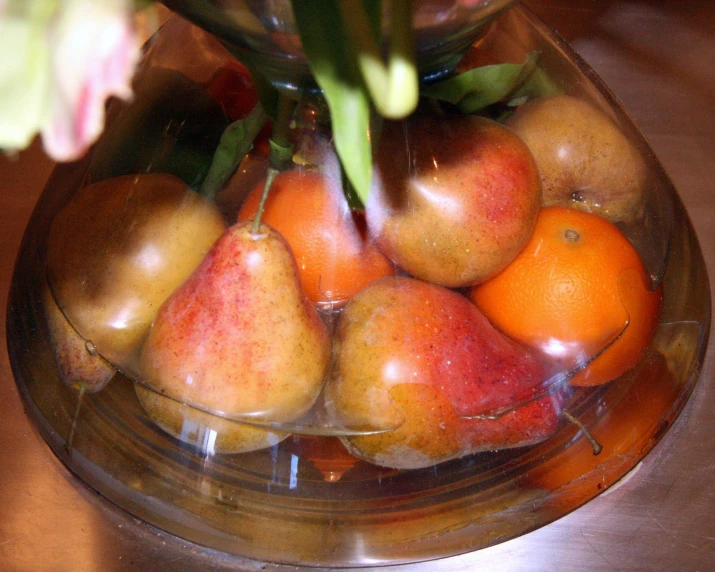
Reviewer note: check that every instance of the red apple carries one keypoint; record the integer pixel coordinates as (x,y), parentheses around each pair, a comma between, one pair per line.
(455,198)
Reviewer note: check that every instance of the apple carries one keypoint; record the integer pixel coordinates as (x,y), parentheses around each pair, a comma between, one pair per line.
(455,198)
(586,162)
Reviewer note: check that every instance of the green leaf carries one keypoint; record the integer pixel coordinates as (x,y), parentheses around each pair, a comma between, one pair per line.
(475,89)
(388,71)
(538,84)
(236,142)
(334,66)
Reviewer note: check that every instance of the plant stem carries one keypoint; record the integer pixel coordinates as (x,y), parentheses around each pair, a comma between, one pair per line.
(281,155)
(281,129)
(236,142)
(393,85)
(73,427)
(597,447)
(270,175)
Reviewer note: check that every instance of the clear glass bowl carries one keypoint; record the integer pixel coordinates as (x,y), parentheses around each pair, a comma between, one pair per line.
(266,32)
(331,508)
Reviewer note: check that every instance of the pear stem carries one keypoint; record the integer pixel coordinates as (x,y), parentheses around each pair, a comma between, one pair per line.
(281,155)
(595,445)
(270,175)
(73,427)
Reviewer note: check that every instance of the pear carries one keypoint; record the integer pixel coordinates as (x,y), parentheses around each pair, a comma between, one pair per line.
(239,337)
(79,364)
(585,160)
(208,433)
(119,248)
(454,198)
(422,363)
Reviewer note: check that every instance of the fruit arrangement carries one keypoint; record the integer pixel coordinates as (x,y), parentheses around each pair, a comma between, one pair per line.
(450,307)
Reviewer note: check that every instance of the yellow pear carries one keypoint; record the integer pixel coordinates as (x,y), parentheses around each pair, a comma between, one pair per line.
(119,248)
(78,362)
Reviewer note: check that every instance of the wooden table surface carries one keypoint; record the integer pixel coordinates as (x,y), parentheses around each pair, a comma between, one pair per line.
(658,56)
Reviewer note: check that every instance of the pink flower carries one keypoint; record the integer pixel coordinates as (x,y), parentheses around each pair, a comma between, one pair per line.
(93,53)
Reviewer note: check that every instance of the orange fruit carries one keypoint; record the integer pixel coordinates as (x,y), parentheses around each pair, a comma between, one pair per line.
(578,291)
(635,411)
(335,256)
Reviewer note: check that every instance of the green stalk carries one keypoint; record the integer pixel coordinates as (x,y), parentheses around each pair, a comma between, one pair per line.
(236,142)
(393,85)
(270,175)
(281,154)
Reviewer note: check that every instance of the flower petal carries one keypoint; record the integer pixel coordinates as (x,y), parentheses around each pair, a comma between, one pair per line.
(94,53)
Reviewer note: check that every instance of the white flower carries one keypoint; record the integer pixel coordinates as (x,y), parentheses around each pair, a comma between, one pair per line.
(64,58)
(24,65)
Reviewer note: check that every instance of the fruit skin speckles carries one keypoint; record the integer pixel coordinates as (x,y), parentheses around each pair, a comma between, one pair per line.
(467,183)
(244,332)
(336,257)
(78,362)
(586,162)
(97,255)
(464,368)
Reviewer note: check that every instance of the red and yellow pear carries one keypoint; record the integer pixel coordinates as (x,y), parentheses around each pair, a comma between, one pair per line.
(239,338)
(422,363)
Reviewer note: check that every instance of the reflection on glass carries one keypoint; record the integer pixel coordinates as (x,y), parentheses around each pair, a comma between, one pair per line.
(460,466)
